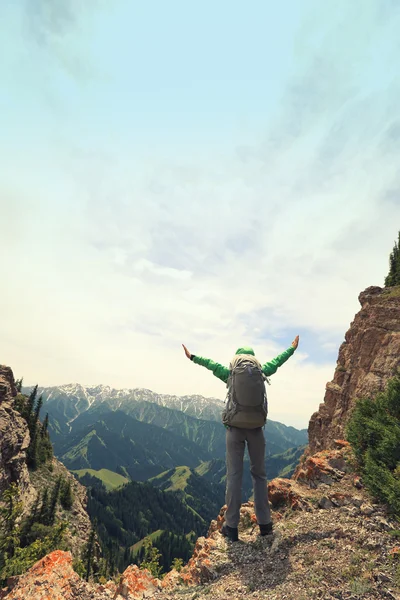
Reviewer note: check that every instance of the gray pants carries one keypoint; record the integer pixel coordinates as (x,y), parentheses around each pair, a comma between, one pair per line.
(235,445)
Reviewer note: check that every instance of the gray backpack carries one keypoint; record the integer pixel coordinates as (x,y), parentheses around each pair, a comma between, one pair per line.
(246,405)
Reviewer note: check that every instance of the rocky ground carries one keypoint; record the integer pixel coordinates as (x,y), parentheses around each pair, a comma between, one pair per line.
(330,542)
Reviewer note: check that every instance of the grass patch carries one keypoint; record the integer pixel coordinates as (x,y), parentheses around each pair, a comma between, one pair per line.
(135,549)
(177,479)
(360,586)
(110,479)
(392,292)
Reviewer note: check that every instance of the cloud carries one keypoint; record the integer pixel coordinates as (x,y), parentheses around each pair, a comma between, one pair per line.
(118,253)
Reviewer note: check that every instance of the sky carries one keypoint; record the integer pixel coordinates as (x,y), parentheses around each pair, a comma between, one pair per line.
(211,173)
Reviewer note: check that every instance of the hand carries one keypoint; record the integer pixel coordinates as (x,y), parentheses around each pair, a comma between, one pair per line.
(295,342)
(187,352)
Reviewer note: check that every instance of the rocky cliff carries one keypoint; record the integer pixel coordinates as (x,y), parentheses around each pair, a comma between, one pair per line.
(14,441)
(14,437)
(369,356)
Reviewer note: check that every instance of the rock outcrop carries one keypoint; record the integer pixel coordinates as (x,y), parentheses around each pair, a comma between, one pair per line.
(367,359)
(14,437)
(14,441)
(53,578)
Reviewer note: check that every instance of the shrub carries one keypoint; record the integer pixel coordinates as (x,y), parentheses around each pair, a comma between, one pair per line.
(177,564)
(393,277)
(151,559)
(374,433)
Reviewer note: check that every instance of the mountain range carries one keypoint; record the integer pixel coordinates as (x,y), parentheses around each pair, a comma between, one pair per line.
(140,434)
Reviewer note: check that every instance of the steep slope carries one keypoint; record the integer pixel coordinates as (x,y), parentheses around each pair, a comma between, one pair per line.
(367,359)
(209,436)
(31,484)
(201,495)
(127,515)
(284,465)
(14,438)
(126,446)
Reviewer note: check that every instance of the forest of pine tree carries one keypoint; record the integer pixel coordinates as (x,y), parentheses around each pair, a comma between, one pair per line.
(24,539)
(40,449)
(127,515)
(393,277)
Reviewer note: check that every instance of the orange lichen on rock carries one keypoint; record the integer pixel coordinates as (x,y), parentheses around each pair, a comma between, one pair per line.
(199,568)
(324,467)
(51,578)
(341,444)
(282,492)
(134,582)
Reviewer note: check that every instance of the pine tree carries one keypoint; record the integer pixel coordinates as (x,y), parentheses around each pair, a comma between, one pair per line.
(53,501)
(393,277)
(34,425)
(38,407)
(66,495)
(31,518)
(151,560)
(45,425)
(177,564)
(89,554)
(18,384)
(45,508)
(10,512)
(30,404)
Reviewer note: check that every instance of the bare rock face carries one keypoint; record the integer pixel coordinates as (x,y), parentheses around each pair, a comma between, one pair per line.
(14,440)
(14,437)
(367,359)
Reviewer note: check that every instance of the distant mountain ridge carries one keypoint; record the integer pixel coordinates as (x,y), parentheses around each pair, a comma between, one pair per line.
(66,403)
(140,434)
(81,398)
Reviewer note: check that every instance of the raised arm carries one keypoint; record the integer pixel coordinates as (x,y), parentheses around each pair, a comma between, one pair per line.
(219,370)
(269,368)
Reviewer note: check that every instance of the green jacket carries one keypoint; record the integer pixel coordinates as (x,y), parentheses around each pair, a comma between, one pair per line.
(269,368)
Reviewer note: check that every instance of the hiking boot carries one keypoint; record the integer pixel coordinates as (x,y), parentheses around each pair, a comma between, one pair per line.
(266,529)
(230,532)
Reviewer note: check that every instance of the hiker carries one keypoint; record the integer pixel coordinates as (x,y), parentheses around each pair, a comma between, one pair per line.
(244,417)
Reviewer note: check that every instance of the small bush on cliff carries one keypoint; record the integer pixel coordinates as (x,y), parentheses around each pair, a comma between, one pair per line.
(374,433)
(151,559)
(66,495)
(393,277)
(22,543)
